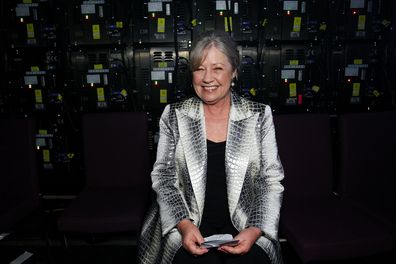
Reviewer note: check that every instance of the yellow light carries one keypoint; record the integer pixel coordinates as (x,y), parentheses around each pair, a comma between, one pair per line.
(86,17)
(92,84)
(288,12)
(30,86)
(21,19)
(152,14)
(221,13)
(38,147)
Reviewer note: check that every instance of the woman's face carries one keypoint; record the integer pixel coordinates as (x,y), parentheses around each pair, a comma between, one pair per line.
(212,79)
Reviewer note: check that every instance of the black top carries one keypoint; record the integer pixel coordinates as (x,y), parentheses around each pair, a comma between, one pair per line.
(216,212)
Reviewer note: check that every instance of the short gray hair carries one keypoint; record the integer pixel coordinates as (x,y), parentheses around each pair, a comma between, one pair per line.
(219,39)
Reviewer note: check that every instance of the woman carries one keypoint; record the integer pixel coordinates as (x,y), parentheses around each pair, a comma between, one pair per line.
(217,169)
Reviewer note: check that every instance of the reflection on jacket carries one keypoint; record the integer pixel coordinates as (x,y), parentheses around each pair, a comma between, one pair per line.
(253,171)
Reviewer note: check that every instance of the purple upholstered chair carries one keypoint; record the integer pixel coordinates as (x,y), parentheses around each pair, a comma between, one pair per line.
(18,177)
(117,190)
(368,163)
(316,223)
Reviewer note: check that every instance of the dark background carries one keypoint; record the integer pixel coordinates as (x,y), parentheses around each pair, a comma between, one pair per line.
(61,59)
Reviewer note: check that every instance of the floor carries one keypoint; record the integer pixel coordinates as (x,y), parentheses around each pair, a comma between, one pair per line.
(37,235)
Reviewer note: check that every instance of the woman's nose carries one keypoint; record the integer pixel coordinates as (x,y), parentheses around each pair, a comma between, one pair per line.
(207,77)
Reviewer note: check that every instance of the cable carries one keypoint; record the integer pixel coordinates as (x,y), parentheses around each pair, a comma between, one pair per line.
(228,17)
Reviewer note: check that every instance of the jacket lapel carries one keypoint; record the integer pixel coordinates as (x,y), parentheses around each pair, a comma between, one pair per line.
(192,136)
(240,140)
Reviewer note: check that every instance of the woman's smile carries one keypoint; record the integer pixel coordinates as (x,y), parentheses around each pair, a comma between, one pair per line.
(212,79)
(210,88)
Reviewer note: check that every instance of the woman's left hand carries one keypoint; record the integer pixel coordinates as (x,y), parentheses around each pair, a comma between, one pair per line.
(247,238)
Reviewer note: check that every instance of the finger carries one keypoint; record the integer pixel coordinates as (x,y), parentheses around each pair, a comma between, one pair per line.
(198,238)
(234,250)
(194,248)
(190,245)
(228,249)
(222,250)
(199,251)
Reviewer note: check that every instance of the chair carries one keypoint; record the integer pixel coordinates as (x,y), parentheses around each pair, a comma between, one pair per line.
(368,164)
(318,225)
(18,179)
(117,189)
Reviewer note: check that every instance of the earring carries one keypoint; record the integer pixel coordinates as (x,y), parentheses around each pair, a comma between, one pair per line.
(232,84)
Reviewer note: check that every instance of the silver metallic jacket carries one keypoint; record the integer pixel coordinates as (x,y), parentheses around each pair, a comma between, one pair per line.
(253,172)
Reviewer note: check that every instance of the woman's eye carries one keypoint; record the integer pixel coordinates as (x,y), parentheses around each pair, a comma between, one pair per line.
(218,69)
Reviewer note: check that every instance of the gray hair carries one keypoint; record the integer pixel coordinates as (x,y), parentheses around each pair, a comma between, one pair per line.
(219,39)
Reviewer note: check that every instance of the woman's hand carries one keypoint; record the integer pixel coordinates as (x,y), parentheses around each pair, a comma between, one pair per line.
(191,237)
(247,238)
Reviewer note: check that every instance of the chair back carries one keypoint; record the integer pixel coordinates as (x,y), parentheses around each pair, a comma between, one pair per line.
(115,149)
(305,149)
(368,156)
(19,193)
(18,158)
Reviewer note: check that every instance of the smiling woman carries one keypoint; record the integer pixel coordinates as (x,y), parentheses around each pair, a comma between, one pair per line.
(217,170)
(219,39)
(212,79)
(212,82)
(214,63)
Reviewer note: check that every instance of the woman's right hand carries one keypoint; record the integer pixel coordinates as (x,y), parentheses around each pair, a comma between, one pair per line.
(191,237)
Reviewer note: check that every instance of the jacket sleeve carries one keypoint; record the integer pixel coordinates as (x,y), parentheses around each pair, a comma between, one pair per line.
(268,190)
(172,205)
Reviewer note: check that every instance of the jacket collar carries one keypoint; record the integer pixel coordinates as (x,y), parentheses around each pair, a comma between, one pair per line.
(193,108)
(239,142)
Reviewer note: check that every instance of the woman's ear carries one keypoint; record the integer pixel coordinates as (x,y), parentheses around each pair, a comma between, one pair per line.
(234,75)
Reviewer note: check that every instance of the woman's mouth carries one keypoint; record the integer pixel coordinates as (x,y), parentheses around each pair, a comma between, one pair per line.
(209,88)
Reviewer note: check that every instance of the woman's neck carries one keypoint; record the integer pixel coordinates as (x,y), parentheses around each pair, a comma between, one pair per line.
(219,110)
(216,121)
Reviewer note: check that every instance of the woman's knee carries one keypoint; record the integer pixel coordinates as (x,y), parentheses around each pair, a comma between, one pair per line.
(183,257)
(254,256)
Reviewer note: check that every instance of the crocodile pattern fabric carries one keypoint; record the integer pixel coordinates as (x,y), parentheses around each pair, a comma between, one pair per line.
(253,171)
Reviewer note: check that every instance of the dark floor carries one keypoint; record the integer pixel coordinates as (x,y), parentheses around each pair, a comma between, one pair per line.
(38,235)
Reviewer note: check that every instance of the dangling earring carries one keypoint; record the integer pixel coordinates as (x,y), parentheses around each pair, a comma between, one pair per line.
(233,83)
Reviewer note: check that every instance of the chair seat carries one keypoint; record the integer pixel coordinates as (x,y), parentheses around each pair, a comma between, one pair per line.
(384,212)
(105,211)
(367,157)
(117,187)
(14,209)
(328,228)
(19,194)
